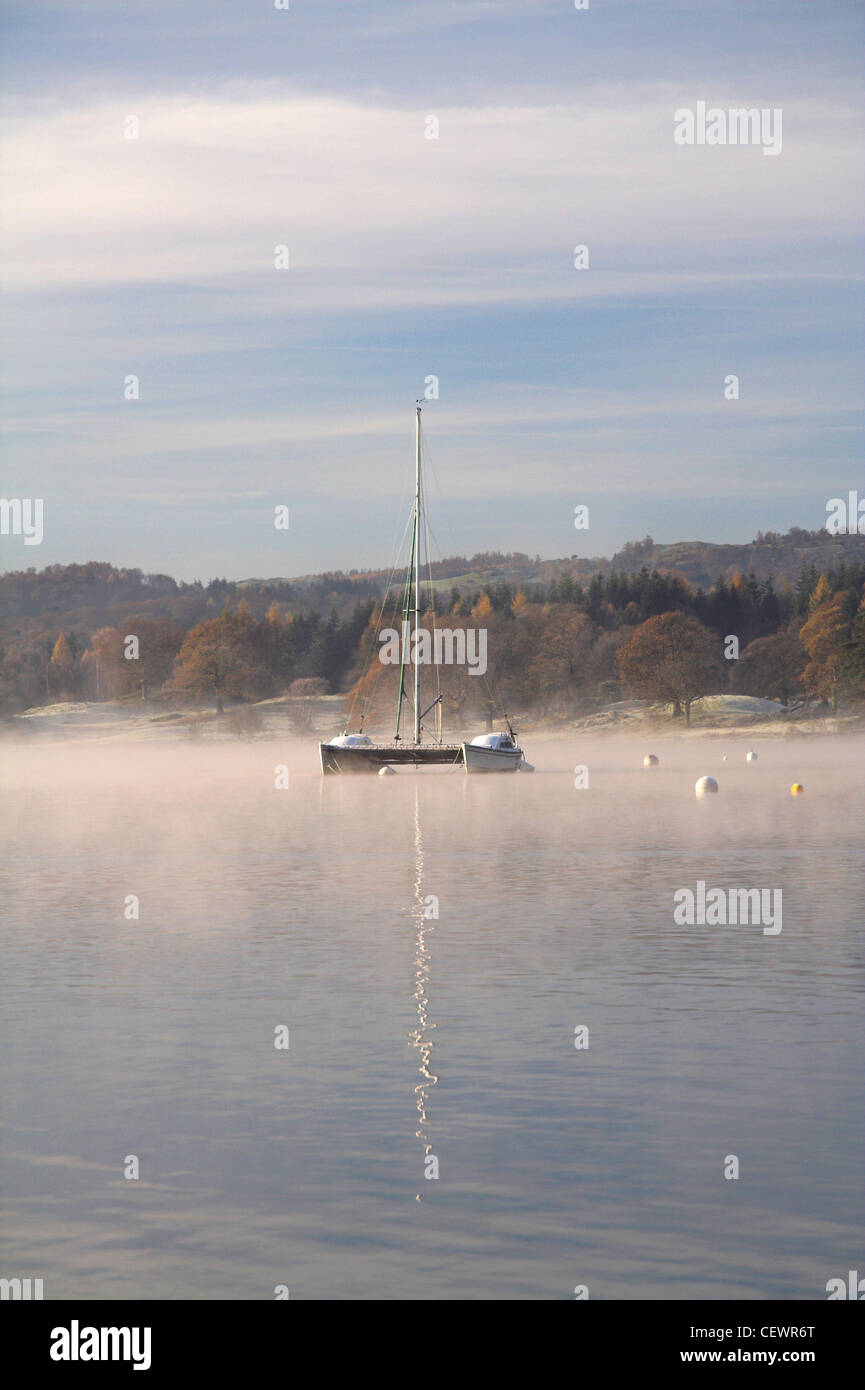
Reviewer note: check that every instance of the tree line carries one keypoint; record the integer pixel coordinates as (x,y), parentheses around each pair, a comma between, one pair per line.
(555,649)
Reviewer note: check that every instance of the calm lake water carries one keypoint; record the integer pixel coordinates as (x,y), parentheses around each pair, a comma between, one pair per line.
(413,1037)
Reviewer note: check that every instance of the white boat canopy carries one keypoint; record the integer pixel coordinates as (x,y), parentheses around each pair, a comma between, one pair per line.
(351,741)
(499,740)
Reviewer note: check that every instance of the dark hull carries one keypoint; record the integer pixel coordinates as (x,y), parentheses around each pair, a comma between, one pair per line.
(350,760)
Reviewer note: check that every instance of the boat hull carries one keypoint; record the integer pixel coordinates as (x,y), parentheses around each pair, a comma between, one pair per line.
(478,758)
(371,758)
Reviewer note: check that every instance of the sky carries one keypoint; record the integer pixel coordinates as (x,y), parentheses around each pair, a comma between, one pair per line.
(412,257)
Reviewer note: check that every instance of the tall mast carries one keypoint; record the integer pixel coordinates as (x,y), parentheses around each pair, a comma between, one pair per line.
(417,577)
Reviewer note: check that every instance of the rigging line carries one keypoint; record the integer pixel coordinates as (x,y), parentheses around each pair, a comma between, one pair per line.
(373,648)
(365,694)
(437,703)
(401,695)
(430,532)
(395,553)
(494,699)
(431,602)
(443,507)
(437,542)
(392,574)
(497,700)
(430,538)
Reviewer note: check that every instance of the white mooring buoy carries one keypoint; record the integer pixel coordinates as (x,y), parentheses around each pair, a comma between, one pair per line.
(751,756)
(386,772)
(705,786)
(650,760)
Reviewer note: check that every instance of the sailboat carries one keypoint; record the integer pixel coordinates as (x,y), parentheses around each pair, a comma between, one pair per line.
(357,752)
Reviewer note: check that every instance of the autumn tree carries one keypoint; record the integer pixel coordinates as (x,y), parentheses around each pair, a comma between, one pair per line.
(102,664)
(464,690)
(557,668)
(853,660)
(771,667)
(820,593)
(221,657)
(62,667)
(602,668)
(134,659)
(372,699)
(825,637)
(673,658)
(275,640)
(375,694)
(159,641)
(25,669)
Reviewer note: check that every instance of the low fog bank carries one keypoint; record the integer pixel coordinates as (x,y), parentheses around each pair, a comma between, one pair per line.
(224,841)
(818,759)
(308,721)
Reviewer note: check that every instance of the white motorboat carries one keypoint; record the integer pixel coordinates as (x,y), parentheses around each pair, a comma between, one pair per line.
(498,752)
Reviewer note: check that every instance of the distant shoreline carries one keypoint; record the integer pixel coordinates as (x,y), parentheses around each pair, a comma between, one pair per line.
(119,721)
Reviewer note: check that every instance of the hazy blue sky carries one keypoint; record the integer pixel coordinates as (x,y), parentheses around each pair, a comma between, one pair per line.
(409,257)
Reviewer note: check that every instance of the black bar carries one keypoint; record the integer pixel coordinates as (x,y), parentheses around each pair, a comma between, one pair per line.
(221,1337)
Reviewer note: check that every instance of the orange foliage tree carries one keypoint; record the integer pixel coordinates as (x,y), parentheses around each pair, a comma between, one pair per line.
(671,657)
(824,637)
(222,657)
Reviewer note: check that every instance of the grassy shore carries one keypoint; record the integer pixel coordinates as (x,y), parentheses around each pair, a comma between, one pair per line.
(118,721)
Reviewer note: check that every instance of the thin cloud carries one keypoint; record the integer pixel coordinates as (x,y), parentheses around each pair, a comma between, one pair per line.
(213,184)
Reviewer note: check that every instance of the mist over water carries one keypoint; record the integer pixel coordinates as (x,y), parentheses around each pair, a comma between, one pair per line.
(413,1035)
